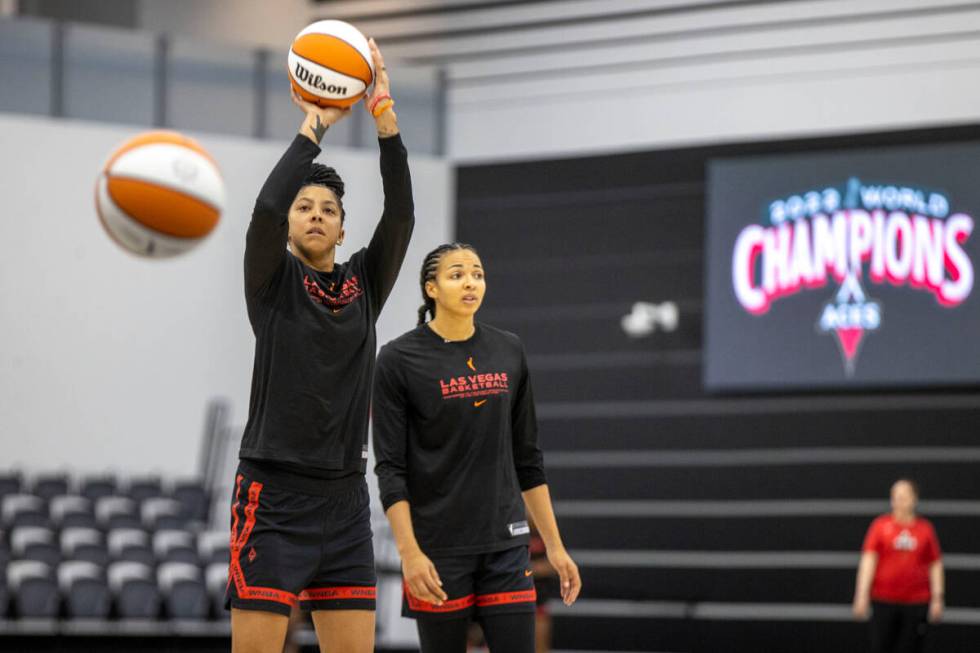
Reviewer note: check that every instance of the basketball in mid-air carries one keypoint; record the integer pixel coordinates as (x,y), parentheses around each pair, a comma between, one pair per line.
(159,194)
(330,64)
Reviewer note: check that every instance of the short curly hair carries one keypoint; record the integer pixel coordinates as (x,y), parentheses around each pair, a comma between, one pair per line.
(321,175)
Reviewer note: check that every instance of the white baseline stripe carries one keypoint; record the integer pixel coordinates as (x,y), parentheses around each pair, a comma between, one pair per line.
(751,406)
(745,457)
(744,559)
(729,611)
(761,508)
(561,650)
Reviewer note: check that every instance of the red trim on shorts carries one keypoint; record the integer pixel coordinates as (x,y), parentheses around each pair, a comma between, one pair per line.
(235,572)
(234,522)
(418,605)
(328,593)
(503,598)
(234,509)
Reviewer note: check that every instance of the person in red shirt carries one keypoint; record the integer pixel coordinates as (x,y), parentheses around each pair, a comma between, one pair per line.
(900,577)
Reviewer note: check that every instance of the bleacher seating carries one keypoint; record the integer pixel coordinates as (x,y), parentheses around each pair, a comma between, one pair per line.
(10,482)
(116,512)
(96,487)
(23,510)
(174,545)
(81,543)
(33,588)
(184,591)
(70,511)
(161,513)
(142,488)
(84,589)
(104,548)
(50,485)
(35,543)
(134,589)
(216,582)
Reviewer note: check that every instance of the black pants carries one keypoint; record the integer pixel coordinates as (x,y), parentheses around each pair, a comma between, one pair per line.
(899,627)
(505,633)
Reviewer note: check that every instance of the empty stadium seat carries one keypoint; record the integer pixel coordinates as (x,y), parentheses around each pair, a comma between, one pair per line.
(213,546)
(216,581)
(97,487)
(33,589)
(173,545)
(88,544)
(23,510)
(161,513)
(130,544)
(50,484)
(70,511)
(10,483)
(184,592)
(4,593)
(193,498)
(116,512)
(84,588)
(134,590)
(140,488)
(4,552)
(34,543)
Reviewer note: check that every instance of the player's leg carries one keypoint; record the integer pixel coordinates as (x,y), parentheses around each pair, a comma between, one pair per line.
(344,631)
(269,562)
(257,631)
(506,600)
(510,632)
(443,635)
(342,594)
(444,628)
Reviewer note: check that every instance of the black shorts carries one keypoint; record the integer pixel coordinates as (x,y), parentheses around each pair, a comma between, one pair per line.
(290,545)
(484,583)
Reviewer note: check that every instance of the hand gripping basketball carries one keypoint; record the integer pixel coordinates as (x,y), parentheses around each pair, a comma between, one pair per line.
(318,119)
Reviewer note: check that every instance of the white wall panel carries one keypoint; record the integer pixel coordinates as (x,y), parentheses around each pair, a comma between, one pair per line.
(107,360)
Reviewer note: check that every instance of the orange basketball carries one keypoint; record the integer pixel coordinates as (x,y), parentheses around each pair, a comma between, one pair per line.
(159,194)
(330,64)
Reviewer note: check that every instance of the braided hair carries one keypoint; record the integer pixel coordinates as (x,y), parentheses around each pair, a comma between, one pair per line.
(321,175)
(429,267)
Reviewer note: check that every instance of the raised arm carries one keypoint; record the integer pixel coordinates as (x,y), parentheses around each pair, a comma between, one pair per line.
(387,248)
(390,447)
(265,241)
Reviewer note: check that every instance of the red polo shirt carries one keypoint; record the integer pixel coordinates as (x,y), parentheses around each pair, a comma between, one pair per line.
(905,552)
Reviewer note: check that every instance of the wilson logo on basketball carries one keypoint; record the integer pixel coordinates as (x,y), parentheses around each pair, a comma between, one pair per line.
(876,233)
(316,81)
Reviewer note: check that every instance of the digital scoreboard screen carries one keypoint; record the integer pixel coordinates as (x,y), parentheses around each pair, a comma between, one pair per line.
(833,270)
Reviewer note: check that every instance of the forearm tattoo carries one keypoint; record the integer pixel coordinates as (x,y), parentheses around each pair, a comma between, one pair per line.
(319,129)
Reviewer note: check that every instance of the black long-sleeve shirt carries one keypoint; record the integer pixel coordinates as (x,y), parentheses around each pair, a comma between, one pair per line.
(455,435)
(315,331)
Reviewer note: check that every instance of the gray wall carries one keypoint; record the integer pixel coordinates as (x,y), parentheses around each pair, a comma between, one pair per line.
(107,360)
(544,79)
